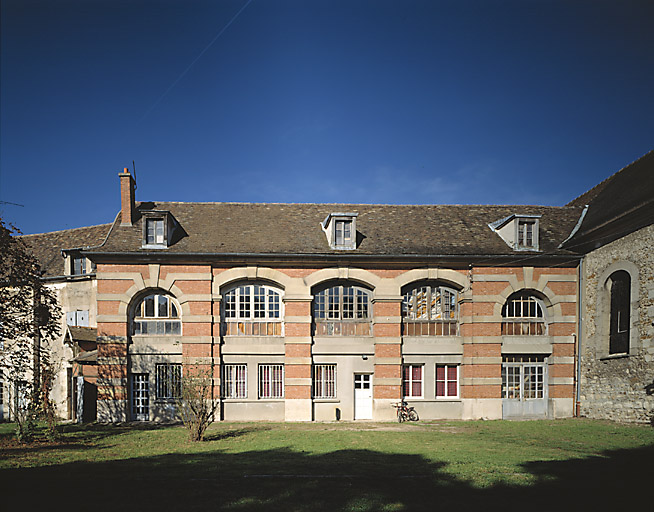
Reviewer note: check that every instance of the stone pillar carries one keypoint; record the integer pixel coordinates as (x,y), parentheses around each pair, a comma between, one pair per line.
(387,380)
(112,400)
(298,359)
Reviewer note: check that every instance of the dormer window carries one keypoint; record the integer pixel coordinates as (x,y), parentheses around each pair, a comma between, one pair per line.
(158,229)
(154,232)
(520,232)
(340,229)
(526,232)
(77,265)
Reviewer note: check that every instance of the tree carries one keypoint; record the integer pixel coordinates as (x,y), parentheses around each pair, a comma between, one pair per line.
(195,404)
(29,322)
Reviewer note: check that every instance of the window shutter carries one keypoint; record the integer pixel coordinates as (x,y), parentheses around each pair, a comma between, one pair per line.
(71,318)
(82,318)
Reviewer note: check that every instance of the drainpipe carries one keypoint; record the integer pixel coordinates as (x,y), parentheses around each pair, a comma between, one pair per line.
(578,338)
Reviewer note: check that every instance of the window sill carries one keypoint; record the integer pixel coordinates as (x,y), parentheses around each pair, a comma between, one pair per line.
(326,400)
(153,246)
(614,356)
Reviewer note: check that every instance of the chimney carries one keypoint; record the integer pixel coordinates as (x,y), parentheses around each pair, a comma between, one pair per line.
(127,202)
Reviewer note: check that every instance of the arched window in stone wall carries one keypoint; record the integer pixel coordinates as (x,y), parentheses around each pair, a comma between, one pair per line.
(619,286)
(252,309)
(342,309)
(156,314)
(523,315)
(430,310)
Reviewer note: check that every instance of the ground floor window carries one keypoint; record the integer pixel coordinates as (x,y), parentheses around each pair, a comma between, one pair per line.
(412,380)
(271,381)
(234,381)
(169,381)
(447,381)
(324,381)
(523,377)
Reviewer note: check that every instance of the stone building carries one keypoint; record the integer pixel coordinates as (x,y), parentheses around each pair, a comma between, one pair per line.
(616,239)
(322,312)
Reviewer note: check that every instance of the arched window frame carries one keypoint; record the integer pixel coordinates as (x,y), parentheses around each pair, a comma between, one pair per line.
(523,314)
(252,309)
(430,309)
(619,288)
(156,314)
(342,309)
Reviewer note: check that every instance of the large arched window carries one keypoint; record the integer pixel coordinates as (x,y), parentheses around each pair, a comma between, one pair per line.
(252,310)
(429,310)
(342,310)
(156,314)
(522,315)
(619,285)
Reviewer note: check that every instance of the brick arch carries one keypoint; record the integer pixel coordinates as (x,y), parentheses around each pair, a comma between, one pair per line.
(355,275)
(140,294)
(446,276)
(549,299)
(266,274)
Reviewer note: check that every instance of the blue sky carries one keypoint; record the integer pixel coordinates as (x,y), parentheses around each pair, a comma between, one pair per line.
(403,102)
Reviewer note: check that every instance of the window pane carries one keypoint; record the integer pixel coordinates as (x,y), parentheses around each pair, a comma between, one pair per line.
(149,306)
(162,311)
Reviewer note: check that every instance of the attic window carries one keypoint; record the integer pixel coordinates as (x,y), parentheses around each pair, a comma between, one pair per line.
(158,228)
(340,229)
(154,232)
(77,265)
(520,232)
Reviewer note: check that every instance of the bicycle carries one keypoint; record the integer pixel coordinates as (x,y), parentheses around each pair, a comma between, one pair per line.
(405,413)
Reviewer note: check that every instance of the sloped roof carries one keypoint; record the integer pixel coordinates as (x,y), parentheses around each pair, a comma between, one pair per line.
(294,229)
(621,204)
(47,246)
(83,333)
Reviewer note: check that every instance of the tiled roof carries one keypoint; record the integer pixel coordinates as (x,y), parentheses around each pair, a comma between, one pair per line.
(47,246)
(621,204)
(83,333)
(388,230)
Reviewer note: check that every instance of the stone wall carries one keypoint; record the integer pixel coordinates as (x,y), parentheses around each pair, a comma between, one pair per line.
(619,387)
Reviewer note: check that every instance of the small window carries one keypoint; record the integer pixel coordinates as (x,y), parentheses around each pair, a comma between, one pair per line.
(522,315)
(155,231)
(78,265)
(620,318)
(447,381)
(526,234)
(340,229)
(252,310)
(412,380)
(324,381)
(169,381)
(342,310)
(155,315)
(430,311)
(271,381)
(234,381)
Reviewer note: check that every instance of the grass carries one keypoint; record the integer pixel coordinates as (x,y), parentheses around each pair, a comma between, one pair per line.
(538,465)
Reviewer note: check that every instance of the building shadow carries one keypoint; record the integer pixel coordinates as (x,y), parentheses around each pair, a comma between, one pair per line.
(363,480)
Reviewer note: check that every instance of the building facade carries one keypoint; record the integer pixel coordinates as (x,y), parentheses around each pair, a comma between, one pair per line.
(303,312)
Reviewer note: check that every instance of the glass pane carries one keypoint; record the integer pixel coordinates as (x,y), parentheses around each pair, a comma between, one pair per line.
(149,306)
(162,311)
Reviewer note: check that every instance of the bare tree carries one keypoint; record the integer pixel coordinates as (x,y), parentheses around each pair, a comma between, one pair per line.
(195,405)
(29,323)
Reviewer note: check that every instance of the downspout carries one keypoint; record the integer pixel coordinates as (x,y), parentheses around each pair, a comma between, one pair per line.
(580,277)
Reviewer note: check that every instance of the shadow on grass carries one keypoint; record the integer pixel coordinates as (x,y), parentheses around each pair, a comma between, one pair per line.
(362,480)
(217,436)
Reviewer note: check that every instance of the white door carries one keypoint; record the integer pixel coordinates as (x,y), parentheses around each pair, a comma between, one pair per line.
(362,396)
(140,397)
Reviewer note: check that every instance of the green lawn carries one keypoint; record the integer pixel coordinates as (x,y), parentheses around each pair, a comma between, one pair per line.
(528,466)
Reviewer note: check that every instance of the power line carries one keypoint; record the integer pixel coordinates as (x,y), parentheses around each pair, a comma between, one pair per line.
(170,88)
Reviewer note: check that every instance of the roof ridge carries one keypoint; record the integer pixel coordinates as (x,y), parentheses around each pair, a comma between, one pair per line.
(602,184)
(245,203)
(66,230)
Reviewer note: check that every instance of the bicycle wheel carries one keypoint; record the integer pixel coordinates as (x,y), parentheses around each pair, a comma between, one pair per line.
(413,415)
(399,416)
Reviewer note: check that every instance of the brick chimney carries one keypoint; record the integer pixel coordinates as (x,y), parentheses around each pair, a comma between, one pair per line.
(127,201)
